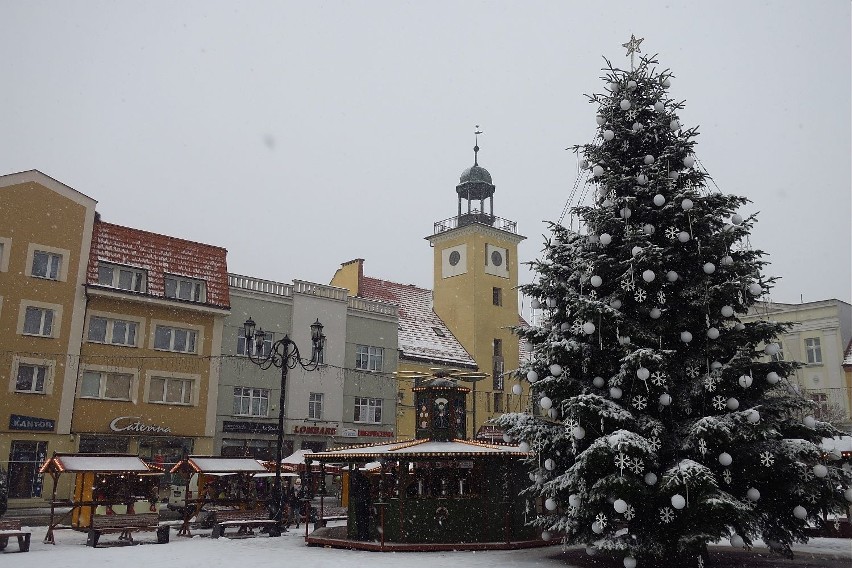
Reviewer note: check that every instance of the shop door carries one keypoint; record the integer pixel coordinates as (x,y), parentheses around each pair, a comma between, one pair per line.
(24,460)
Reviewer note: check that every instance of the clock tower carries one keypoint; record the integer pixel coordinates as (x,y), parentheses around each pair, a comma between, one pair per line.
(475,287)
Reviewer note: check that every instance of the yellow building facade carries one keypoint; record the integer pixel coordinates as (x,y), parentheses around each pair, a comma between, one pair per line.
(45,236)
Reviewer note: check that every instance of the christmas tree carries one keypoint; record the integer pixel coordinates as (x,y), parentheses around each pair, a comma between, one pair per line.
(665,423)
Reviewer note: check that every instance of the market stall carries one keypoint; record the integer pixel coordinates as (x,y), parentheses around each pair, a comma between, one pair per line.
(119,486)
(222,484)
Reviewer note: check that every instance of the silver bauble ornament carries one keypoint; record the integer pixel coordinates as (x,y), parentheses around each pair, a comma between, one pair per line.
(659,200)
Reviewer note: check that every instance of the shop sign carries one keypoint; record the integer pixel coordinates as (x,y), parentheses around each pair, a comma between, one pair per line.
(250,427)
(135,424)
(31,423)
(375,433)
(315,430)
(349,433)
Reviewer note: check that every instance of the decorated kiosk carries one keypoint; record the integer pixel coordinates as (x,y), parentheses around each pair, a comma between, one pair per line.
(439,491)
(231,492)
(113,493)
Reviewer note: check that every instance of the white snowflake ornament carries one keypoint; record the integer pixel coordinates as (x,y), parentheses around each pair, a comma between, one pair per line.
(640,402)
(767,459)
(666,515)
(658,378)
(640,295)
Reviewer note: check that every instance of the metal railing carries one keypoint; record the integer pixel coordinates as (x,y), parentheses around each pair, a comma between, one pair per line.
(476,216)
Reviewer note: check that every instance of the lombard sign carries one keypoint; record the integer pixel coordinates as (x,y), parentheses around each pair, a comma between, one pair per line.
(315,430)
(31,423)
(135,424)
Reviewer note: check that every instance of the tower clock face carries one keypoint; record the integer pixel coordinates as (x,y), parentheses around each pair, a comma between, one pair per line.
(454,261)
(496,261)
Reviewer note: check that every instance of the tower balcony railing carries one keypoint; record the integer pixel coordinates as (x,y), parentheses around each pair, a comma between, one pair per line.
(476,216)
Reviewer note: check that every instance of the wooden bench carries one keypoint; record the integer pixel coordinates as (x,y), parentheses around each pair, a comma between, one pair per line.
(244,520)
(125,526)
(10,528)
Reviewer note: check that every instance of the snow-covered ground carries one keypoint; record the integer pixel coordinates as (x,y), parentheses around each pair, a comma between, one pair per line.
(262,552)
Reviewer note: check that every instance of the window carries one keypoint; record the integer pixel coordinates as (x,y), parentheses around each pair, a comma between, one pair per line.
(368,410)
(813,351)
(369,358)
(31,378)
(780,355)
(110,386)
(315,406)
(497,296)
(497,375)
(242,344)
(185,289)
(47,265)
(498,347)
(122,277)
(439,332)
(251,401)
(170,390)
(38,321)
(5,250)
(174,339)
(114,331)
(498,402)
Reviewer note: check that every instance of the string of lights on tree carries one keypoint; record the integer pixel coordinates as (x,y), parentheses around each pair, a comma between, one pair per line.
(667,424)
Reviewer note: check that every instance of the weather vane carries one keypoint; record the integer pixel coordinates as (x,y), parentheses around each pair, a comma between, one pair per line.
(476,133)
(633,47)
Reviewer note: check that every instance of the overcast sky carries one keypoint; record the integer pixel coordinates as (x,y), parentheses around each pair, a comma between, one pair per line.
(300,135)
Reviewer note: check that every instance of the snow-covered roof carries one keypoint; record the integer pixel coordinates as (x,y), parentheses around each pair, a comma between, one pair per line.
(159,255)
(847,356)
(424,448)
(842,444)
(218,464)
(297,457)
(101,463)
(422,334)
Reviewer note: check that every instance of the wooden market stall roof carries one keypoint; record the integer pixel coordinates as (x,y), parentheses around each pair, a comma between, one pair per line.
(423,448)
(97,463)
(218,464)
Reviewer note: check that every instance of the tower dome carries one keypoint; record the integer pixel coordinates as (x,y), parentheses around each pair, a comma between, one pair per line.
(475,173)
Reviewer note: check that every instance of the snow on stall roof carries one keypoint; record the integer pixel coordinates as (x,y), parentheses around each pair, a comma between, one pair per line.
(102,463)
(424,448)
(417,322)
(297,457)
(215,464)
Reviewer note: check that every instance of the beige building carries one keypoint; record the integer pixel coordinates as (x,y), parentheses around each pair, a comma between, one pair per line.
(818,338)
(45,236)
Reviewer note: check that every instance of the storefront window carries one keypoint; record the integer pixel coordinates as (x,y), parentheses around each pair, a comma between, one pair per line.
(24,460)
(103,444)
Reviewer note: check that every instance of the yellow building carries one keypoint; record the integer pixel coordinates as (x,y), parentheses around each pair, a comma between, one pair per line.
(466,322)
(149,370)
(45,236)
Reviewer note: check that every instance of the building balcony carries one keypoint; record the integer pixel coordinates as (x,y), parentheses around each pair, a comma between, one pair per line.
(476,216)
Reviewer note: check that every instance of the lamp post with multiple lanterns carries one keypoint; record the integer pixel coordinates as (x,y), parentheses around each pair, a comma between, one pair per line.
(284,355)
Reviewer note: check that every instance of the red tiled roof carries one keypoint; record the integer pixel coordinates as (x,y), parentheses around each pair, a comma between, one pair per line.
(417,323)
(159,254)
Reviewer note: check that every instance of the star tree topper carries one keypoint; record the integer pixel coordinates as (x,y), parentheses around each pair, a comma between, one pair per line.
(633,47)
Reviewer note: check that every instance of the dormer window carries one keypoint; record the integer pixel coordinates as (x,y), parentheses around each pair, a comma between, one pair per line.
(183,288)
(122,277)
(438,332)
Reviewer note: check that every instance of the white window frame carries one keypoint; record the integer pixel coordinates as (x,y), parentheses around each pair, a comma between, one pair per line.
(62,269)
(139,277)
(315,400)
(365,410)
(5,253)
(18,361)
(172,326)
(105,373)
(109,334)
(813,350)
(197,288)
(242,343)
(56,322)
(192,385)
(251,394)
(369,358)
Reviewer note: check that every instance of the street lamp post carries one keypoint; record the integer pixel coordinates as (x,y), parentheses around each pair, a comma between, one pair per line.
(284,355)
